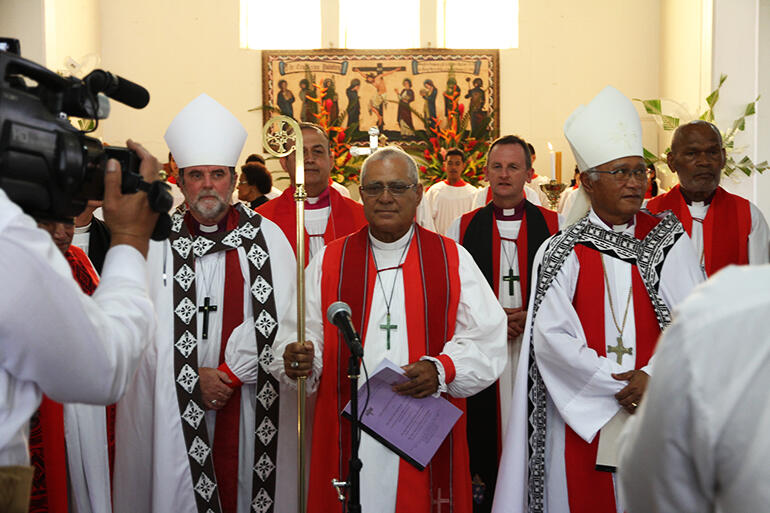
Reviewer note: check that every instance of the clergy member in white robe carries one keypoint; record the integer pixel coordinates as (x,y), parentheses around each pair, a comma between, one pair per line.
(606,287)
(464,363)
(105,334)
(197,431)
(699,440)
(452,197)
(503,238)
(725,228)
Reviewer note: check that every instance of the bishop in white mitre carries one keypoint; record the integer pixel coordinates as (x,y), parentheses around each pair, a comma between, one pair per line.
(197,431)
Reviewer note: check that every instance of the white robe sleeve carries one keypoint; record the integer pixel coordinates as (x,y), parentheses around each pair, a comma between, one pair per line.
(579,381)
(313,328)
(759,238)
(453,232)
(76,348)
(478,347)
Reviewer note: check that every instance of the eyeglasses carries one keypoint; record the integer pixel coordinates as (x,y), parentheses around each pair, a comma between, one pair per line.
(376,189)
(624,174)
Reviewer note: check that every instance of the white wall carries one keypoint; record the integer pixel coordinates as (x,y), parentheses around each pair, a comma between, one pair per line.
(741,51)
(179,48)
(24,20)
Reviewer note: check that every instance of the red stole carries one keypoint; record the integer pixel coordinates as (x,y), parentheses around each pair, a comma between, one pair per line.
(349,275)
(47,441)
(590,490)
(346,216)
(726,227)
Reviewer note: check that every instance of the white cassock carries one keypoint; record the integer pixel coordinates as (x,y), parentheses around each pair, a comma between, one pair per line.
(580,386)
(446,202)
(424,217)
(759,236)
(480,196)
(88,463)
(699,439)
(152,471)
(315,225)
(477,351)
(274,193)
(564,200)
(54,338)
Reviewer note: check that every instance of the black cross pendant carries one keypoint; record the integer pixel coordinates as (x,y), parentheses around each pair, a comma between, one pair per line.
(205,310)
(510,278)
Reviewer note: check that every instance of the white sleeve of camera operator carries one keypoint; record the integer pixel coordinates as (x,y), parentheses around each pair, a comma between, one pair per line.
(75,348)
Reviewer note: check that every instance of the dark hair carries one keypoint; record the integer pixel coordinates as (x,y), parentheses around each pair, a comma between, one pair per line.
(512,139)
(477,82)
(429,82)
(257,174)
(318,128)
(408,80)
(654,183)
(254,157)
(531,149)
(282,81)
(353,83)
(455,151)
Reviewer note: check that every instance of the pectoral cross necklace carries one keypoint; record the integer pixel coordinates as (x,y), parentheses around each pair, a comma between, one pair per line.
(388,327)
(619,349)
(207,307)
(510,277)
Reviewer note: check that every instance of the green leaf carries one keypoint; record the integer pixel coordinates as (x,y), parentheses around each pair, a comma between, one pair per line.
(650,156)
(746,170)
(745,160)
(722,79)
(740,124)
(750,109)
(652,106)
(669,122)
(712,98)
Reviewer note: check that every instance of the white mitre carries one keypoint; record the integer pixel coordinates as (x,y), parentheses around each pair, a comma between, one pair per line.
(606,129)
(205,133)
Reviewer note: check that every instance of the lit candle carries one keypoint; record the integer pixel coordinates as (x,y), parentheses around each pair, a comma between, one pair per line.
(552,154)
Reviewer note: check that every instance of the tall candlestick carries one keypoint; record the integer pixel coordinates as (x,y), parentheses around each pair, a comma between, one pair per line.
(558,166)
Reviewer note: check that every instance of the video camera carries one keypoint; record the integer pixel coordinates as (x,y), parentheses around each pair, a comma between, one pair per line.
(47,166)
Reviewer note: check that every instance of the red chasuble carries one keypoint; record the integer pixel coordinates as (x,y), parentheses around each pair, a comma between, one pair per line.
(47,445)
(726,227)
(346,216)
(349,275)
(590,490)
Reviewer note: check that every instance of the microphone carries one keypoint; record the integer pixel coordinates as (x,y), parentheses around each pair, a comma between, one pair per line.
(118,88)
(338,314)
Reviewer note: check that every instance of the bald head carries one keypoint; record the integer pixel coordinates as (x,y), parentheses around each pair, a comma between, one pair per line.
(682,130)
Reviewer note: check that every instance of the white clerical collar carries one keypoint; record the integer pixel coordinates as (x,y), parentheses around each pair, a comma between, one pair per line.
(208,228)
(396,244)
(83,229)
(619,228)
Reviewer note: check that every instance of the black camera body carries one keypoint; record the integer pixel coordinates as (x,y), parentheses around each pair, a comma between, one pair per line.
(47,166)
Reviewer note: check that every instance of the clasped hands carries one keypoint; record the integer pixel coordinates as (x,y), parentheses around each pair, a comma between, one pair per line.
(298,362)
(214,388)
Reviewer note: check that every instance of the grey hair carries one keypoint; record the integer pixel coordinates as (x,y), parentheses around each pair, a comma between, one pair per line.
(697,122)
(392,152)
(592,173)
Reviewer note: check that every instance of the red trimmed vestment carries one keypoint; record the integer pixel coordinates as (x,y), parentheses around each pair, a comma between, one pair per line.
(443,310)
(570,331)
(725,228)
(346,216)
(522,231)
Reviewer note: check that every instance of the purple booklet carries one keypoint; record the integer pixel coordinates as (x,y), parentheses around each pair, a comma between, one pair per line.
(412,428)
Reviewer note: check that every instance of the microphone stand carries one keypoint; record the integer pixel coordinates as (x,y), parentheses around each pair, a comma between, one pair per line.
(354,463)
